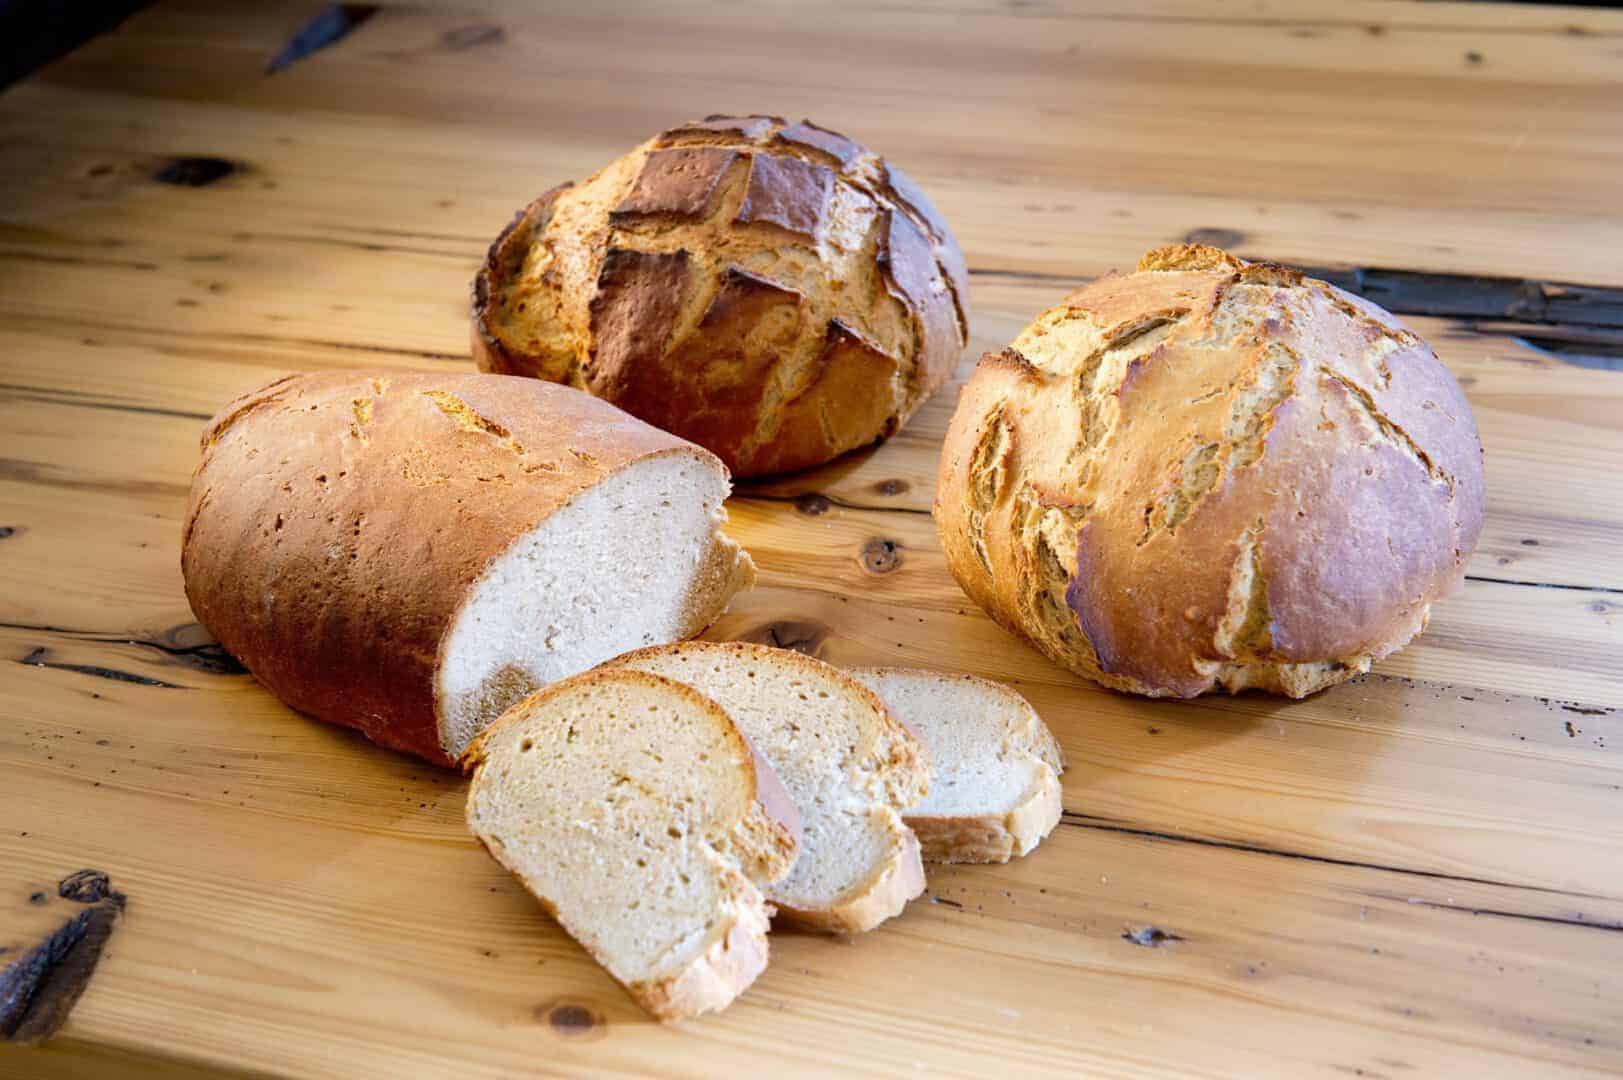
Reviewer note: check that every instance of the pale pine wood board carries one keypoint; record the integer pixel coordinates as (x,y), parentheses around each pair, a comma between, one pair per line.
(1419,872)
(338,878)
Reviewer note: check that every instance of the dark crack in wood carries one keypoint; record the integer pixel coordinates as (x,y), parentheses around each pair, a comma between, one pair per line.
(332,23)
(1087,821)
(818,501)
(1543,584)
(89,887)
(1559,920)
(1527,300)
(189,643)
(39,990)
(471,37)
(37,658)
(67,399)
(195,172)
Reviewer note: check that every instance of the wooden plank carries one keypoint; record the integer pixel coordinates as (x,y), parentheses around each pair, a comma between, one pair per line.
(267,934)
(1416,872)
(1142,123)
(1494,635)
(1551,429)
(1095,208)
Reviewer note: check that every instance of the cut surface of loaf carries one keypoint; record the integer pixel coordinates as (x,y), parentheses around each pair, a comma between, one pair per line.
(771,290)
(995,766)
(1211,474)
(850,768)
(634,561)
(628,806)
(410,554)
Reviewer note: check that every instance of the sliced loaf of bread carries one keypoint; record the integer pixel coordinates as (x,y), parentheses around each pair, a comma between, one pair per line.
(631,807)
(850,768)
(995,790)
(410,554)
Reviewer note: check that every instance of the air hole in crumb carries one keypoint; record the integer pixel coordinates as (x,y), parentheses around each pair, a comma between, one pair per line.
(529,744)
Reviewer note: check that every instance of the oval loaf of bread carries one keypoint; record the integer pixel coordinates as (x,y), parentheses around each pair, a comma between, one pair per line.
(1211,474)
(773,291)
(850,768)
(631,807)
(411,554)
(994,765)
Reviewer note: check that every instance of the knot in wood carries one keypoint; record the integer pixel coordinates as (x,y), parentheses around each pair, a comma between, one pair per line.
(881,556)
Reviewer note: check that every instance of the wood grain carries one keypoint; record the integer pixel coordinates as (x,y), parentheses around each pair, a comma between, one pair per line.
(1419,873)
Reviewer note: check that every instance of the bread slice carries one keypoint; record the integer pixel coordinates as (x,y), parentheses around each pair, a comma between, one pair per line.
(995,790)
(849,766)
(410,554)
(629,805)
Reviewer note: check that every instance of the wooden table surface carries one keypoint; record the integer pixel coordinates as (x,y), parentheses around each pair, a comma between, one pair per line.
(1417,874)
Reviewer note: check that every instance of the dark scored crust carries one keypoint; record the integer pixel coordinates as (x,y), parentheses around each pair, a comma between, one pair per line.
(337,521)
(796,207)
(786,192)
(749,128)
(835,410)
(680,181)
(1251,481)
(807,134)
(751,321)
(911,273)
(639,295)
(911,196)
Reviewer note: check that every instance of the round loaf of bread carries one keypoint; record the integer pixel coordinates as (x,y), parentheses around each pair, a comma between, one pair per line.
(1211,474)
(774,292)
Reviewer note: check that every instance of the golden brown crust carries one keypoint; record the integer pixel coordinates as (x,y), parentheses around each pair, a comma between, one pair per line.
(337,521)
(882,896)
(726,969)
(836,407)
(1211,474)
(502,262)
(745,239)
(991,838)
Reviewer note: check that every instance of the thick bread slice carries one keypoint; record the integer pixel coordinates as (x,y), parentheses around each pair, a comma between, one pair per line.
(629,806)
(995,790)
(850,767)
(410,554)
